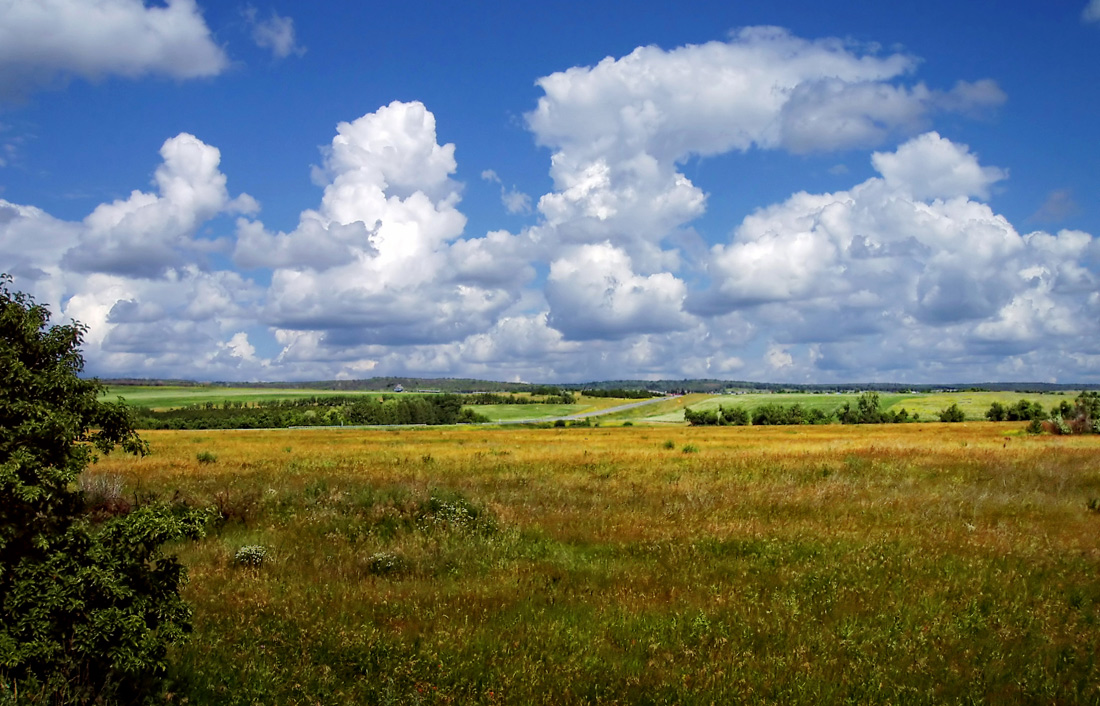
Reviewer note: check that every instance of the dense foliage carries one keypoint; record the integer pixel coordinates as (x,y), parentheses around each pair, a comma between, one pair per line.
(869,411)
(620,393)
(952,413)
(86,610)
(1080,417)
(1022,411)
(866,411)
(552,397)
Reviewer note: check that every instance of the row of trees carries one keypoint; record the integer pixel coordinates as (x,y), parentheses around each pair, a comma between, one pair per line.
(287,403)
(768,414)
(620,393)
(558,397)
(1022,411)
(866,411)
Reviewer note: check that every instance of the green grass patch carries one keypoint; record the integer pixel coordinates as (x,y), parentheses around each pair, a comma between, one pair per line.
(975,404)
(516,412)
(166,397)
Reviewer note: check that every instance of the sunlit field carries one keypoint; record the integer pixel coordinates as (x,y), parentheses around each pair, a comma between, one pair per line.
(928,405)
(918,563)
(169,397)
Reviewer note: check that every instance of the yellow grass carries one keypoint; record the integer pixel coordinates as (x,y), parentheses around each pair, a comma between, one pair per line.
(924,563)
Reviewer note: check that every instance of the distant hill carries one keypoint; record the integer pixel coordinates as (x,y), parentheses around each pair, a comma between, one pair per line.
(711,386)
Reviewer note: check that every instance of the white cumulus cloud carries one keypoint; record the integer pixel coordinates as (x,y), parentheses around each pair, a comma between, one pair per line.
(147,233)
(380,261)
(907,258)
(41,40)
(594,293)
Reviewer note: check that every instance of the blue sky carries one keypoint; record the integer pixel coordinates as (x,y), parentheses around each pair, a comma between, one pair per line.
(801,191)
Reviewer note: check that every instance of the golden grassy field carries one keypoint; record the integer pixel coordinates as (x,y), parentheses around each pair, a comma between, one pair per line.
(920,563)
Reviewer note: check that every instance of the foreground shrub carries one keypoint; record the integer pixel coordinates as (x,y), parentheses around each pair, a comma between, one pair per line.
(252,556)
(87,611)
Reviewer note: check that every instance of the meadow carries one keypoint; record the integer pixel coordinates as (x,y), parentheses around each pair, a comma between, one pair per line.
(927,404)
(161,397)
(670,411)
(918,563)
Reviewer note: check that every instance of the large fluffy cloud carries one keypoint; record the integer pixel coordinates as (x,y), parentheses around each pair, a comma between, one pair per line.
(147,233)
(43,39)
(594,293)
(909,275)
(911,266)
(620,129)
(380,262)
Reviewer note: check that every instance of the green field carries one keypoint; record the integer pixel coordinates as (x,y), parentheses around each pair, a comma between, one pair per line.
(916,563)
(168,397)
(975,404)
(516,412)
(928,405)
(670,411)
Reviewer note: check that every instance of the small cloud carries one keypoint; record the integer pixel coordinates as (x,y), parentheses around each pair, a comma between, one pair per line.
(1091,13)
(778,358)
(275,33)
(838,169)
(1059,205)
(515,201)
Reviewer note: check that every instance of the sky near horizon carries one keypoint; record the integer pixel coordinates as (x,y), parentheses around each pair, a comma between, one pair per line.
(559,192)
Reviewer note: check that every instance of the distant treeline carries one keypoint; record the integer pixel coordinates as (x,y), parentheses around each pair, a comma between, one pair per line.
(550,396)
(621,393)
(866,411)
(320,411)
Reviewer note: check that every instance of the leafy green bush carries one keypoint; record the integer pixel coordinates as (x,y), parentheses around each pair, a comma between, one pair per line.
(734,416)
(251,555)
(87,609)
(952,414)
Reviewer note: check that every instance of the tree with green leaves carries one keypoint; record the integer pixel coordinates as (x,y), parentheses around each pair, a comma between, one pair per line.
(952,414)
(87,609)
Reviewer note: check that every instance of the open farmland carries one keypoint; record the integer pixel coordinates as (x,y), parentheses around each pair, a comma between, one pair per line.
(161,397)
(662,412)
(928,405)
(924,563)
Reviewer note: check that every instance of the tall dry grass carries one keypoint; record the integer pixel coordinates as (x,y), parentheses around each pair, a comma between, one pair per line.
(915,563)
